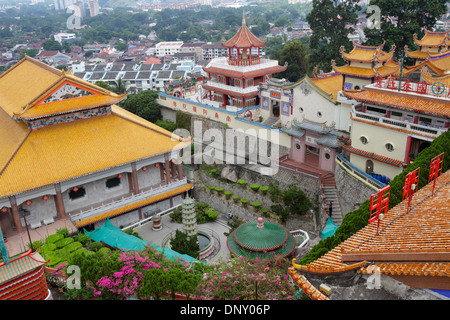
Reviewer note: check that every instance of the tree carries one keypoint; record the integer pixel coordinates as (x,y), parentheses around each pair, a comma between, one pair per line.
(401,19)
(183,244)
(295,54)
(331,21)
(51,44)
(143,105)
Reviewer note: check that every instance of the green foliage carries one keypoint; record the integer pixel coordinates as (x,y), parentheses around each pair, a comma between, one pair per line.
(295,53)
(182,244)
(63,231)
(104,251)
(358,219)
(54,238)
(47,247)
(63,242)
(264,189)
(219,189)
(256,205)
(255,187)
(35,245)
(331,32)
(296,200)
(242,183)
(265,211)
(83,238)
(235,198)
(244,201)
(228,194)
(183,120)
(95,246)
(167,124)
(212,214)
(143,104)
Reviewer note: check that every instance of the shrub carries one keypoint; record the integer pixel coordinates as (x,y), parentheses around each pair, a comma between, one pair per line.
(219,190)
(244,201)
(211,188)
(264,189)
(95,246)
(73,246)
(54,238)
(235,198)
(227,194)
(242,183)
(256,205)
(63,242)
(35,245)
(212,214)
(82,238)
(255,187)
(265,211)
(63,231)
(47,247)
(104,251)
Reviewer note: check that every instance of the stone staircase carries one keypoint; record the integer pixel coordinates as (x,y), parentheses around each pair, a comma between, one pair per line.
(271,121)
(330,191)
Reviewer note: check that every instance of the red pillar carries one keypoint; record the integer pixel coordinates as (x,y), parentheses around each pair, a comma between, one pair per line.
(59,203)
(408,147)
(135,178)
(15,214)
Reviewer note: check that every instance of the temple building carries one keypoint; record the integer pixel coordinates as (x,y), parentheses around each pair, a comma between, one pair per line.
(233,80)
(408,245)
(432,44)
(365,63)
(392,125)
(69,152)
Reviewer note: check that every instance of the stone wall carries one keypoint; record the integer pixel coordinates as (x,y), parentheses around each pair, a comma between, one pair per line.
(351,191)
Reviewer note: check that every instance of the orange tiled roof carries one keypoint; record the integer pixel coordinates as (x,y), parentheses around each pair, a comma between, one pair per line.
(244,38)
(331,83)
(372,155)
(430,79)
(367,53)
(391,98)
(414,242)
(433,39)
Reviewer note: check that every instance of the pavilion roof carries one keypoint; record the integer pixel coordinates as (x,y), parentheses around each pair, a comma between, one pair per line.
(244,38)
(367,53)
(389,68)
(433,39)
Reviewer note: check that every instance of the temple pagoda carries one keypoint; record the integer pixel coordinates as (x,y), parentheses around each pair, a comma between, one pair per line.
(233,81)
(189,217)
(432,44)
(365,64)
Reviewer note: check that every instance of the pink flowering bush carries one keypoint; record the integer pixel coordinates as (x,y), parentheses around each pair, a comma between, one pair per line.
(242,279)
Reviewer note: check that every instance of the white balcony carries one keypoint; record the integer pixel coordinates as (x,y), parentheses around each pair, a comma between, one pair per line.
(125,200)
(218,85)
(433,131)
(223,63)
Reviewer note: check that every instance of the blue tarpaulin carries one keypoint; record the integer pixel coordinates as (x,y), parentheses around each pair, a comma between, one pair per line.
(329,229)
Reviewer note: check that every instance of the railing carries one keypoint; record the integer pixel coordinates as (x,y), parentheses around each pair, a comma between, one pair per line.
(358,174)
(244,62)
(232,88)
(223,62)
(292,168)
(422,129)
(125,200)
(144,221)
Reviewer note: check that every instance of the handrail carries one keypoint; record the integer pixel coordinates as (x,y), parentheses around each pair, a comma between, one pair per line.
(123,201)
(358,173)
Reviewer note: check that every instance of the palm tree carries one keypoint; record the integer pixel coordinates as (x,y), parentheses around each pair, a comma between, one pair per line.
(120,86)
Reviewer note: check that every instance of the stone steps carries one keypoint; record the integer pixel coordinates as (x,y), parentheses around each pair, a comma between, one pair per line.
(271,121)
(331,195)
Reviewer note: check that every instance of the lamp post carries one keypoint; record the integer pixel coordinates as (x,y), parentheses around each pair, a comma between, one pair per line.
(402,55)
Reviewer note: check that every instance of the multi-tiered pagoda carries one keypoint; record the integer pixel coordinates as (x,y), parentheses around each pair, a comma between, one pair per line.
(233,80)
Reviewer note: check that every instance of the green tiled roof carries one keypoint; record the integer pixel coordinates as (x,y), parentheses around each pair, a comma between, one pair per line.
(251,242)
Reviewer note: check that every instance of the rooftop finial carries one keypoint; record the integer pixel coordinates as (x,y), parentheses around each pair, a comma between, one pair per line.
(243,17)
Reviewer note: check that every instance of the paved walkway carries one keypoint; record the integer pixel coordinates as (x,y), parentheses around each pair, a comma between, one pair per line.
(168,226)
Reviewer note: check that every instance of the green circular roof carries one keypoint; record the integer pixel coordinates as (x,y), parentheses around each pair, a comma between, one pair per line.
(251,242)
(269,237)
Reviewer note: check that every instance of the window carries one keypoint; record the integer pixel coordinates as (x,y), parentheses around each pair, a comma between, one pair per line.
(364,140)
(319,114)
(297,146)
(327,156)
(113,182)
(389,146)
(79,193)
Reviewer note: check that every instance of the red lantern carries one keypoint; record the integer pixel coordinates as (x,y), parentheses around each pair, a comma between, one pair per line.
(119,176)
(5,209)
(45,197)
(28,202)
(144,169)
(156,165)
(75,189)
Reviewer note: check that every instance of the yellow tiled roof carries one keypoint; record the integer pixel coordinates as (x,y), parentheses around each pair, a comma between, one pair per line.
(77,148)
(432,39)
(69,105)
(366,53)
(383,71)
(430,79)
(23,82)
(331,84)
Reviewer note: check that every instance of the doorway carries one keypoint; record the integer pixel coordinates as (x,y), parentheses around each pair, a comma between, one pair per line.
(369,166)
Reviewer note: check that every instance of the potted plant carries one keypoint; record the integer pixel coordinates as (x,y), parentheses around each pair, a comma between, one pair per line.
(211,189)
(256,206)
(255,187)
(242,183)
(264,189)
(235,198)
(219,190)
(227,194)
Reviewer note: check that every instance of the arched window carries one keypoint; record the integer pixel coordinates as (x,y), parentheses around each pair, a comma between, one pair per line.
(369,166)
